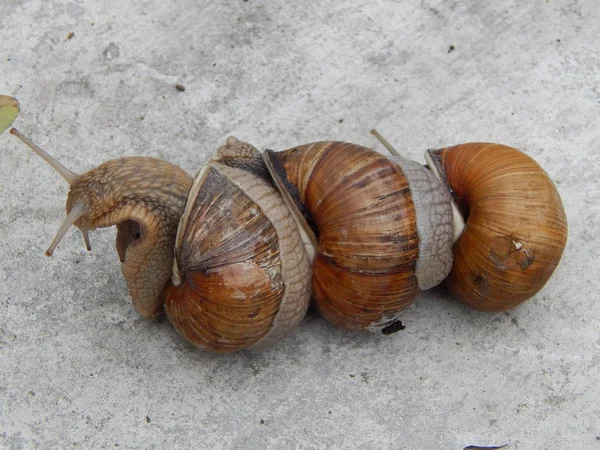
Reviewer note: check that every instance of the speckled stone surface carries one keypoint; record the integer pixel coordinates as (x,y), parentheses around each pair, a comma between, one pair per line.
(80,368)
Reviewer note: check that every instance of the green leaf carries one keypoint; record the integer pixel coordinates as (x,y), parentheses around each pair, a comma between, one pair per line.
(9,110)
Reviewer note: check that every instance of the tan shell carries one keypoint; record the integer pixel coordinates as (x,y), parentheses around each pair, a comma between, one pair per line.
(245,276)
(516,227)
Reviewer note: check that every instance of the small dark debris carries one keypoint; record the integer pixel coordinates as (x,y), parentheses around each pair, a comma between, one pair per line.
(148,419)
(262,421)
(71,35)
(341,120)
(393,328)
(352,375)
(142,117)
(477,447)
(180,87)
(330,413)
(451,49)
(558,40)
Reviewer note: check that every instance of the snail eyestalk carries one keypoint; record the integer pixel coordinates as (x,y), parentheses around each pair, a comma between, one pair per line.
(86,239)
(231,141)
(76,213)
(390,148)
(67,174)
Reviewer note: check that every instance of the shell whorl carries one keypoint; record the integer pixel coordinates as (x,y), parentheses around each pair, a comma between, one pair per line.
(516,227)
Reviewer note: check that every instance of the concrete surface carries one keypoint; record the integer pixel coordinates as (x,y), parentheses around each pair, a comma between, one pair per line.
(79,368)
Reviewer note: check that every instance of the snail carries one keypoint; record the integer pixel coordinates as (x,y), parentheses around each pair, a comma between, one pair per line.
(239,268)
(234,255)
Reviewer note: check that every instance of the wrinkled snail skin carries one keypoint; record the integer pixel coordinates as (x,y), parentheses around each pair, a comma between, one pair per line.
(435,224)
(516,227)
(144,198)
(245,274)
(360,208)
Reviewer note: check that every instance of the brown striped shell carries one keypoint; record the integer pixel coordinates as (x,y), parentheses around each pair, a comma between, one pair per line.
(360,208)
(516,227)
(242,273)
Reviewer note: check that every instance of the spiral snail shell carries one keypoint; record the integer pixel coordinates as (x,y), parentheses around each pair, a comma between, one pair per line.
(516,227)
(241,275)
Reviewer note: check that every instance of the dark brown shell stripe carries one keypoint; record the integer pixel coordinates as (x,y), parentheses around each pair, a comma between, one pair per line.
(363,216)
(288,169)
(231,261)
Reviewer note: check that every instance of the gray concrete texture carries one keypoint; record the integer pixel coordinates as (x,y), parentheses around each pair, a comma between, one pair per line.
(80,368)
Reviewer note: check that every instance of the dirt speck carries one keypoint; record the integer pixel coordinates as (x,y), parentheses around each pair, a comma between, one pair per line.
(111,51)
(393,328)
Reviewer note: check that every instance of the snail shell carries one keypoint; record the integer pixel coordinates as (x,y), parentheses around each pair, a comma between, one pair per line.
(516,227)
(360,208)
(242,274)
